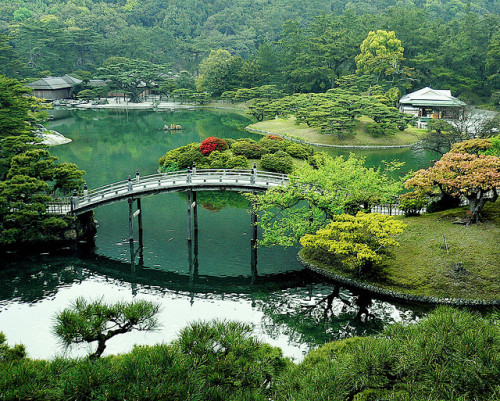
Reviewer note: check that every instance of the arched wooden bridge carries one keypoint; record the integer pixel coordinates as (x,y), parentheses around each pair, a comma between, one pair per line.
(186,180)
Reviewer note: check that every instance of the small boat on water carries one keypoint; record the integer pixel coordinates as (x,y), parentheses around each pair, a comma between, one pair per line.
(172,127)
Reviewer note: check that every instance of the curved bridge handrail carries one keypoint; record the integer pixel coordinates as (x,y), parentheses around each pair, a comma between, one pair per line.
(208,179)
(183,173)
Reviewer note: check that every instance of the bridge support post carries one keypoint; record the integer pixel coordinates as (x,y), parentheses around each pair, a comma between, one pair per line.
(189,209)
(195,224)
(130,221)
(139,221)
(131,233)
(194,205)
(253,241)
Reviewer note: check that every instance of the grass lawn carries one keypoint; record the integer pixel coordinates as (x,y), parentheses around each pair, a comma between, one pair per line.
(422,266)
(288,128)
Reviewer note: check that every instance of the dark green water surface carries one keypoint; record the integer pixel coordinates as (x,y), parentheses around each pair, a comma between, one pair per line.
(109,146)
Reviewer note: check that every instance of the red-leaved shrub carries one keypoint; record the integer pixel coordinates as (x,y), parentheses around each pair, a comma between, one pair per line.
(212,143)
(276,137)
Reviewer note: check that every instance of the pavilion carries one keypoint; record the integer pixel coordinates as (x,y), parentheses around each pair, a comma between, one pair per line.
(52,88)
(428,103)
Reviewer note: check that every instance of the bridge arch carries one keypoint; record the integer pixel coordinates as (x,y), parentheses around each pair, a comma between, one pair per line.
(177,181)
(190,181)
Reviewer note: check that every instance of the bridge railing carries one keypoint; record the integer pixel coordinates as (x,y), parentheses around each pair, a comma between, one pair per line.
(161,180)
(186,175)
(59,205)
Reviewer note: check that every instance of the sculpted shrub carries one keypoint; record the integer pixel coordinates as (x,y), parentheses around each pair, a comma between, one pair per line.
(252,150)
(225,160)
(279,162)
(357,242)
(212,143)
(181,157)
(186,159)
(298,150)
(273,145)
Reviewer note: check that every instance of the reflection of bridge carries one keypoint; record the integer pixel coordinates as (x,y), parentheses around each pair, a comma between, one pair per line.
(187,180)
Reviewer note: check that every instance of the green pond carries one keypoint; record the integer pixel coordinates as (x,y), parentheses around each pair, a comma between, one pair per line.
(277,295)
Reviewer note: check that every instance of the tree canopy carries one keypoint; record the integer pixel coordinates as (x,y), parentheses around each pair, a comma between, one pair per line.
(29,174)
(97,321)
(133,76)
(317,194)
(300,47)
(462,172)
(381,53)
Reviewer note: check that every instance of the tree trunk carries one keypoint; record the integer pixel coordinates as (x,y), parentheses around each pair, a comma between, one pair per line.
(101,346)
(476,204)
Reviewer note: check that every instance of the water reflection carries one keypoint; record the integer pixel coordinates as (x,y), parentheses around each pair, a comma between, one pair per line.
(293,310)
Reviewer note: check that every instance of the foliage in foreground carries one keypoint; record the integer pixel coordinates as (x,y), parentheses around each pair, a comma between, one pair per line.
(209,361)
(450,355)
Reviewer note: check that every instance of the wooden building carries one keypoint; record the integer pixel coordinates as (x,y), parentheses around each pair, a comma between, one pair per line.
(428,103)
(52,88)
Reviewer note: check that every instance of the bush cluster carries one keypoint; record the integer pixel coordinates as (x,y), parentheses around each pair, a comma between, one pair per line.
(275,153)
(210,361)
(182,157)
(450,355)
(248,148)
(223,160)
(279,162)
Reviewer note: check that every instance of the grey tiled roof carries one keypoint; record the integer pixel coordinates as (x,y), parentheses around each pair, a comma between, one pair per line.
(52,83)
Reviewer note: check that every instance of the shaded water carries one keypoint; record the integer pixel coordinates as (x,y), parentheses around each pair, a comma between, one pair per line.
(110,145)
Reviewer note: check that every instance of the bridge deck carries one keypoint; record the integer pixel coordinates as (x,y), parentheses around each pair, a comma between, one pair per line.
(198,180)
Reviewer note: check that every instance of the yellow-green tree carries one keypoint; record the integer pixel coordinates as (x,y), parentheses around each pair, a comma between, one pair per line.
(219,72)
(357,242)
(381,54)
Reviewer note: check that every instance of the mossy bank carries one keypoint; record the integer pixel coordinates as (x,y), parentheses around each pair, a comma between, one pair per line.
(437,261)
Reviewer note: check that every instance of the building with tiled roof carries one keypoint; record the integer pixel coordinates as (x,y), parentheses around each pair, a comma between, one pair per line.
(428,103)
(52,88)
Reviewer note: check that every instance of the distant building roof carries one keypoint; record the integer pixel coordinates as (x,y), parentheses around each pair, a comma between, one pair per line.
(98,82)
(52,83)
(431,97)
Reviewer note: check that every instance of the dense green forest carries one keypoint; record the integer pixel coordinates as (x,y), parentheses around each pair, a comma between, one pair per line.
(301,46)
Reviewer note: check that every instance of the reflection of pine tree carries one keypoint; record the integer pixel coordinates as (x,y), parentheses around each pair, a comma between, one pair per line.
(307,315)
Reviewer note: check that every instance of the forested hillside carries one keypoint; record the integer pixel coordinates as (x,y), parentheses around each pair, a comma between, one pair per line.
(300,45)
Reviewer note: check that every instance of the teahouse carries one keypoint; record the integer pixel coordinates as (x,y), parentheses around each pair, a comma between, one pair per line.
(52,88)
(428,103)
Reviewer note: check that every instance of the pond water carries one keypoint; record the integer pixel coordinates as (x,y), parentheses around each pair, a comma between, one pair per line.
(278,298)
